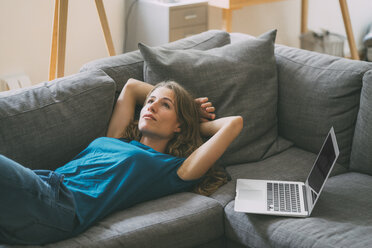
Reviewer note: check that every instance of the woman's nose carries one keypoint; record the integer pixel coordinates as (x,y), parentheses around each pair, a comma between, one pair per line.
(152,107)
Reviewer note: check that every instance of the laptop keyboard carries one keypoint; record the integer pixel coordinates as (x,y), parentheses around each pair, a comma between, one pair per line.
(283,197)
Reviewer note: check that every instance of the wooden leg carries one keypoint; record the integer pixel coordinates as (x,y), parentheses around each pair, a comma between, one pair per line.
(349,30)
(227,19)
(62,28)
(304,15)
(105,27)
(53,50)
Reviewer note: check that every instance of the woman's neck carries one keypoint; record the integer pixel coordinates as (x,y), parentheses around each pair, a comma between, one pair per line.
(156,144)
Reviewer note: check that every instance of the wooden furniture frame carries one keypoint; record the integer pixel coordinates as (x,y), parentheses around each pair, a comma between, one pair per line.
(229,5)
(58,48)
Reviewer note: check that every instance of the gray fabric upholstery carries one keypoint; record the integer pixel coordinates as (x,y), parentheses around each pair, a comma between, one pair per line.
(130,65)
(361,153)
(317,91)
(45,126)
(240,79)
(225,194)
(217,243)
(180,220)
(237,37)
(233,244)
(341,218)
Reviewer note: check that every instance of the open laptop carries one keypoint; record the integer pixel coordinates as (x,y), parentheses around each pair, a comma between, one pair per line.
(288,198)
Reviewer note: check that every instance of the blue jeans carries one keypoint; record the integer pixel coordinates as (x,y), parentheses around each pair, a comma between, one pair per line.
(35,206)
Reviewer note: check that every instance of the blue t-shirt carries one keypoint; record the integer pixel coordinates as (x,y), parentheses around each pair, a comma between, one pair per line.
(111,174)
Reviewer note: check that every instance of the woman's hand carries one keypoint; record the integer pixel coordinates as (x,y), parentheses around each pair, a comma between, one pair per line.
(206,109)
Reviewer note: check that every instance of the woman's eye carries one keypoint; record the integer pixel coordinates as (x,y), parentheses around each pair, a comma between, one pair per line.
(150,101)
(166,105)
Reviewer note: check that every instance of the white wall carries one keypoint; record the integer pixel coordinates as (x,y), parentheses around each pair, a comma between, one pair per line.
(257,19)
(26,25)
(26,32)
(286,17)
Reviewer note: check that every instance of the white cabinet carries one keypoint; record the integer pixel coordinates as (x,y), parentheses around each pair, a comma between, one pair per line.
(154,22)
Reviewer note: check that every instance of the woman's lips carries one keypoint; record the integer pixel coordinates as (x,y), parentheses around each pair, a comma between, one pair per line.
(149,117)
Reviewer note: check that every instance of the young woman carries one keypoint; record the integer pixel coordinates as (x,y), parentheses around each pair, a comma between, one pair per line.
(159,155)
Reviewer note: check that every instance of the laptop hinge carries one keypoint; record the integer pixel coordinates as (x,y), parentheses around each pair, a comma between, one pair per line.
(305,198)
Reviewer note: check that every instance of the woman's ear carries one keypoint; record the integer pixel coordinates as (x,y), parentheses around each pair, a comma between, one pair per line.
(178,128)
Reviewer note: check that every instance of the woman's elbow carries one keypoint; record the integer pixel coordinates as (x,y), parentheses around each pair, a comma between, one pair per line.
(237,123)
(131,83)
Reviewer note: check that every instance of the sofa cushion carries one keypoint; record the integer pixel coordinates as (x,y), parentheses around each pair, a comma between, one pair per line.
(45,126)
(130,65)
(240,79)
(341,218)
(361,152)
(180,220)
(317,91)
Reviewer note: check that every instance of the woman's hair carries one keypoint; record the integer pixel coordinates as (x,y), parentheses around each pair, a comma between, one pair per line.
(188,139)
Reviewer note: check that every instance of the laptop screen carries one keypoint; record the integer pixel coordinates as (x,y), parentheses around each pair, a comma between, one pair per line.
(322,165)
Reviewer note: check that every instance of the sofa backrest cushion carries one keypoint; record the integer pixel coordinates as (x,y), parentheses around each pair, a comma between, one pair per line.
(317,91)
(45,126)
(240,79)
(130,65)
(361,152)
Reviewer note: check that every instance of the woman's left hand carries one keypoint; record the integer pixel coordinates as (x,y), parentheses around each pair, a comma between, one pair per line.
(206,109)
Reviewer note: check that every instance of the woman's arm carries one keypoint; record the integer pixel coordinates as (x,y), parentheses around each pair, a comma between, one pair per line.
(134,92)
(223,132)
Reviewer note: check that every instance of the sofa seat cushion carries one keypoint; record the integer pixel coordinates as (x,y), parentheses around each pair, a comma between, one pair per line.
(180,220)
(335,222)
(361,153)
(293,164)
(317,91)
(130,65)
(45,126)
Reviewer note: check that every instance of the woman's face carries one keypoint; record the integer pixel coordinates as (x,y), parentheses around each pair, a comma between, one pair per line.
(158,118)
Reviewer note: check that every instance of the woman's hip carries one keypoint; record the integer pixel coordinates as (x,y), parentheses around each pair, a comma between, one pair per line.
(36,207)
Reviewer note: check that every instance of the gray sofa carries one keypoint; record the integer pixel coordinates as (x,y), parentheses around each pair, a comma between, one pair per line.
(289,99)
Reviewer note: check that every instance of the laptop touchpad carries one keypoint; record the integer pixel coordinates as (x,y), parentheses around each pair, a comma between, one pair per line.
(250,194)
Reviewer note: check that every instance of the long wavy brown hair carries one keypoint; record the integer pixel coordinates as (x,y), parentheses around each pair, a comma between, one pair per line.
(188,140)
